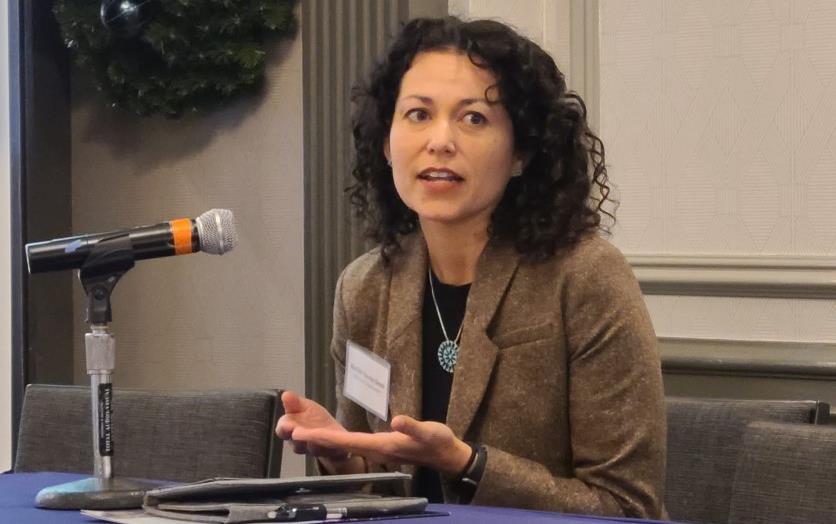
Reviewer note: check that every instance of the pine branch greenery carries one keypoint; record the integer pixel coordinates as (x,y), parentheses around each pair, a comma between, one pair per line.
(192,55)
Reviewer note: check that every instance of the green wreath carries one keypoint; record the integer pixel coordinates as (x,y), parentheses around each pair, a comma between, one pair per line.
(180,55)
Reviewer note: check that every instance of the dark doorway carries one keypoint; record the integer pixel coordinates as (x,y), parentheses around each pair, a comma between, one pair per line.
(42,310)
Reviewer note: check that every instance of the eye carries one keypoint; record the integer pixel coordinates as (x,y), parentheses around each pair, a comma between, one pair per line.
(474,118)
(417,115)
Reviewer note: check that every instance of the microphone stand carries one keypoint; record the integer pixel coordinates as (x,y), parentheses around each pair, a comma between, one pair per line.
(109,259)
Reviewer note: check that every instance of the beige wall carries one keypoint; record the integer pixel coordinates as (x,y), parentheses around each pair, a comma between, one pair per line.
(5,253)
(547,22)
(719,120)
(720,125)
(201,321)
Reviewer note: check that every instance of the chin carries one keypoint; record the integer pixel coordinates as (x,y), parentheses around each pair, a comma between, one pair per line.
(447,219)
(445,214)
(434,215)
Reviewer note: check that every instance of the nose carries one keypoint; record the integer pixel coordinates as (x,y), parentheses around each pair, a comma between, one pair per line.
(441,139)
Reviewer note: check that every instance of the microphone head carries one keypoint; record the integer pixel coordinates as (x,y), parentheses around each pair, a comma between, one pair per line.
(216,229)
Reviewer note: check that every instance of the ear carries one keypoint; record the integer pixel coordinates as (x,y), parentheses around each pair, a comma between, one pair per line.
(522,158)
(386,151)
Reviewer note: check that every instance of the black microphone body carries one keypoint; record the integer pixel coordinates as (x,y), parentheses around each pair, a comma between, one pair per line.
(71,252)
(212,232)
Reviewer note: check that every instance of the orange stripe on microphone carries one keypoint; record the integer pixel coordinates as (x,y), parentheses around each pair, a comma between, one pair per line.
(181,229)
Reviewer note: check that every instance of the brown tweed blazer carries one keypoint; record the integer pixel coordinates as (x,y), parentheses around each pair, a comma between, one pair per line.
(558,374)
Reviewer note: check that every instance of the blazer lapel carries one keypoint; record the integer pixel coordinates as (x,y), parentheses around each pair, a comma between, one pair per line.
(477,353)
(403,327)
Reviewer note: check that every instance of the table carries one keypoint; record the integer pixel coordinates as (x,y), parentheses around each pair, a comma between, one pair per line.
(18,490)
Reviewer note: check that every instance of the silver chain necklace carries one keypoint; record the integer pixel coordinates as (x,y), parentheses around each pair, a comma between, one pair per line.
(448,351)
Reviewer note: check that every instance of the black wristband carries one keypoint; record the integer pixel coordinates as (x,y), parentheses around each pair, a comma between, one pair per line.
(469,464)
(466,483)
(473,474)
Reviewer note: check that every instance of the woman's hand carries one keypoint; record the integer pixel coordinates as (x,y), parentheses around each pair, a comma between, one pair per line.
(430,444)
(301,414)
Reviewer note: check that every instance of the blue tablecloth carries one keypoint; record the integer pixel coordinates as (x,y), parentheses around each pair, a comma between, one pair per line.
(17,505)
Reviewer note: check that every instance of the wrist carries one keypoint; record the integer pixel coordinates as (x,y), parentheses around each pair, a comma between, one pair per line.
(462,457)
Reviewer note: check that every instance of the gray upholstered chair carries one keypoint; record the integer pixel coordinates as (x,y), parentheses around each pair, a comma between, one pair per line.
(705,437)
(164,435)
(787,474)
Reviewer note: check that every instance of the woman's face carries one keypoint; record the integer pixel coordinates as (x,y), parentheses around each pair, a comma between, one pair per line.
(452,151)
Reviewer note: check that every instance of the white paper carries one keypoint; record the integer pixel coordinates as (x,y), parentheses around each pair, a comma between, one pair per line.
(138,516)
(131,516)
(367,379)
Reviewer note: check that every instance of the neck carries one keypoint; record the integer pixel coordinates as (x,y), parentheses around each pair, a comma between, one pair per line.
(454,250)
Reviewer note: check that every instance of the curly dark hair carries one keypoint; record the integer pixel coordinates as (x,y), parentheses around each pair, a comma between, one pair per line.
(552,204)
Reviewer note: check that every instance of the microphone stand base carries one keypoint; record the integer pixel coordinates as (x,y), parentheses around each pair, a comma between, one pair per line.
(96,493)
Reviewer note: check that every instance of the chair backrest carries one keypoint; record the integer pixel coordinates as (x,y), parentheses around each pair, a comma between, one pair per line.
(705,437)
(787,474)
(164,435)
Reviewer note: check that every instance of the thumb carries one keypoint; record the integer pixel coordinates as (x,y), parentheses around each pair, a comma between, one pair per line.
(293,403)
(410,427)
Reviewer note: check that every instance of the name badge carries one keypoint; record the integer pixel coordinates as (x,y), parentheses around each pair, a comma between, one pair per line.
(367,379)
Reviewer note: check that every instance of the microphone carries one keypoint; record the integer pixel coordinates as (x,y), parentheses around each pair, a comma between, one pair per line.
(212,232)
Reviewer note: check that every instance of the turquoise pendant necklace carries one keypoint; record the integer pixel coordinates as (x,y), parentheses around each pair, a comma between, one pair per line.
(448,351)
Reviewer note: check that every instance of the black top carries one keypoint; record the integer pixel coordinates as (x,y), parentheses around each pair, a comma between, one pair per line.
(435,382)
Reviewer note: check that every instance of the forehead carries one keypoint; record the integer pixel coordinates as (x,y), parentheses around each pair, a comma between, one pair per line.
(446,74)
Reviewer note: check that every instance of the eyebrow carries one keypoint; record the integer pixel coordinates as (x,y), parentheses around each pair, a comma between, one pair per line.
(464,102)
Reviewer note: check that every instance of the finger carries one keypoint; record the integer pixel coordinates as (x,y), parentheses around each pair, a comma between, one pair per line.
(392,443)
(300,448)
(331,438)
(285,427)
(411,427)
(292,402)
(330,453)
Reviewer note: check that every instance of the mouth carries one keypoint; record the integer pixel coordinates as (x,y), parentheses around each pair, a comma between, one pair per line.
(439,175)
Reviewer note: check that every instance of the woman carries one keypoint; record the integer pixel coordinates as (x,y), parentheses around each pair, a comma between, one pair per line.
(523,362)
